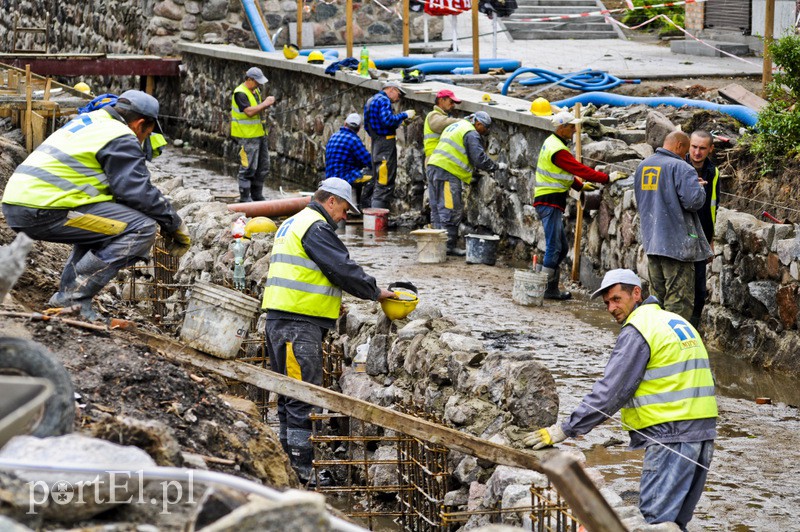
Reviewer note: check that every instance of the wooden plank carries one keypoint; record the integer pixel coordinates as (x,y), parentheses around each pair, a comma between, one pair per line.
(576,247)
(406,28)
(300,24)
(588,505)
(348,16)
(38,128)
(28,111)
(47,85)
(36,105)
(738,94)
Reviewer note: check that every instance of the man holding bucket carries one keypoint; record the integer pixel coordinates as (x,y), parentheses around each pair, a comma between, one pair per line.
(309,268)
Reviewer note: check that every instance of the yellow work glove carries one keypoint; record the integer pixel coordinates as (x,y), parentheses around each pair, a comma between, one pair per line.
(544,437)
(588,186)
(615,176)
(179,241)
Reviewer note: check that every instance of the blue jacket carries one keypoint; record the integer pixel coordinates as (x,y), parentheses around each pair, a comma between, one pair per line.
(379,120)
(668,196)
(346,155)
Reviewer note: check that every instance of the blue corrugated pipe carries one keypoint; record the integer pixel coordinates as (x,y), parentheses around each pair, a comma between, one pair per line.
(411,61)
(743,114)
(462,67)
(254,18)
(583,80)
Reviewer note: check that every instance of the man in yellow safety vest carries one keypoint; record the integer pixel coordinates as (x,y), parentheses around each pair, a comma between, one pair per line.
(435,122)
(248,129)
(659,376)
(88,185)
(310,267)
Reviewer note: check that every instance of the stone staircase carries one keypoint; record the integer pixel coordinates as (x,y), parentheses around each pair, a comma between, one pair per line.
(576,28)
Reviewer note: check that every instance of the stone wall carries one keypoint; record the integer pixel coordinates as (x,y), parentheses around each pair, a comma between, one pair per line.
(156,26)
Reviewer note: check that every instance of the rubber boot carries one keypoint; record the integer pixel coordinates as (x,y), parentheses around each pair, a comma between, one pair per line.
(552,291)
(257,191)
(244,195)
(91,276)
(378,204)
(452,243)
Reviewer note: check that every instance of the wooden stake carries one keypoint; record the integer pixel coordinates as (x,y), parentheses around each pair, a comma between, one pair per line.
(47,89)
(572,481)
(28,111)
(769,23)
(476,47)
(406,27)
(150,85)
(349,27)
(300,24)
(576,253)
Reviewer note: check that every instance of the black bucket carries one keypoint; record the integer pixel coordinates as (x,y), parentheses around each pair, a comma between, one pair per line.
(482,249)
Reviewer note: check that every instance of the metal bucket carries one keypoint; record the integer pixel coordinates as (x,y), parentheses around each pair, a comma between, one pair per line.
(376,219)
(21,400)
(482,249)
(529,288)
(217,319)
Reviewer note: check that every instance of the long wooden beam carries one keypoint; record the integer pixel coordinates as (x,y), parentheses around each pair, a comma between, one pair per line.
(571,480)
(104,66)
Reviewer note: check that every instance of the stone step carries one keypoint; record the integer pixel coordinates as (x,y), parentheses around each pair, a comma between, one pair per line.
(528,35)
(522,19)
(690,47)
(566,26)
(566,3)
(546,11)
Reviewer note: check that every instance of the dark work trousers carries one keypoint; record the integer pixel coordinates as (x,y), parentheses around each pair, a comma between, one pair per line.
(295,350)
(253,166)
(383,149)
(433,199)
(700,291)
(446,199)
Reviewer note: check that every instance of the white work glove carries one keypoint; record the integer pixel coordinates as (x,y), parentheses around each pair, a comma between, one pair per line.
(615,176)
(411,114)
(502,166)
(544,437)
(588,186)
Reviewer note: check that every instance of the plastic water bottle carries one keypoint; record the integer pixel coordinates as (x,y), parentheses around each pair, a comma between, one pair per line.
(239,249)
(363,65)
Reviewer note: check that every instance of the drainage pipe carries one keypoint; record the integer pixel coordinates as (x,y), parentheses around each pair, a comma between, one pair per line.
(271,208)
(583,80)
(743,114)
(414,60)
(254,18)
(464,66)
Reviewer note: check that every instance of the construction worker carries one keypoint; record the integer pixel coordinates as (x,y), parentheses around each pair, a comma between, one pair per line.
(659,376)
(668,196)
(88,185)
(435,122)
(556,171)
(309,269)
(701,146)
(346,156)
(457,154)
(381,124)
(248,130)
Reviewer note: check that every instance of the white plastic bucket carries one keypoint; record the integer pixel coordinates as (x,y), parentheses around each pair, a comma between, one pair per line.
(431,245)
(217,319)
(529,288)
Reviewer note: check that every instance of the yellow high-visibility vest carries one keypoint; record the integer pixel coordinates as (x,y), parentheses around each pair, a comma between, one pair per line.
(243,126)
(677,384)
(294,282)
(451,154)
(429,137)
(63,172)
(550,179)
(714,198)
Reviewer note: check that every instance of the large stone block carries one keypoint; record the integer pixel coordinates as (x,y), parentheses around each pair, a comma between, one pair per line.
(658,127)
(786,301)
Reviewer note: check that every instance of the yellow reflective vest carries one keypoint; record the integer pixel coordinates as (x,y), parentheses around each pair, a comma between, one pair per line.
(550,179)
(677,383)
(714,198)
(63,172)
(451,154)
(294,282)
(429,137)
(243,126)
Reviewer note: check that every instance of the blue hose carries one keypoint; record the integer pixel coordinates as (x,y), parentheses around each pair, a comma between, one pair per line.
(412,61)
(254,18)
(583,80)
(743,114)
(463,66)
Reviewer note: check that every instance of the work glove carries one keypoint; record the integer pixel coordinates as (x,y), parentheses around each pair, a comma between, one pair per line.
(179,241)
(588,186)
(544,437)
(615,176)
(410,114)
(502,166)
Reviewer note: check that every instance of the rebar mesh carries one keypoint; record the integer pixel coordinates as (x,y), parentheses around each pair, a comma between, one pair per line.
(550,512)
(154,281)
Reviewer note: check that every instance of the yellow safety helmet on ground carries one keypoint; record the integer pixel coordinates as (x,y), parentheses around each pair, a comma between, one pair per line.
(290,51)
(82,87)
(316,57)
(541,107)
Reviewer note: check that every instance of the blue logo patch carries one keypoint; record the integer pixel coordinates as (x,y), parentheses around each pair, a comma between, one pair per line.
(682,329)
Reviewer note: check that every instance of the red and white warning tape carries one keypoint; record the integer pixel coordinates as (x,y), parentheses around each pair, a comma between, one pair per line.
(606,12)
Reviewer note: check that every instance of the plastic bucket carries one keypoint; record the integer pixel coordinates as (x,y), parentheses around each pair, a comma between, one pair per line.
(431,245)
(529,288)
(217,319)
(376,219)
(482,249)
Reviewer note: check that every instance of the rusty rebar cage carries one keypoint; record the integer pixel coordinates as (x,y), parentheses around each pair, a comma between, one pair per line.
(154,281)
(332,360)
(550,512)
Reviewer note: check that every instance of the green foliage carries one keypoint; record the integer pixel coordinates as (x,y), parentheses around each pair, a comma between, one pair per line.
(778,127)
(676,13)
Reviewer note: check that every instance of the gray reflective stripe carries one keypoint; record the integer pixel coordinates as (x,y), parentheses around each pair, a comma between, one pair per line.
(248,121)
(460,149)
(331,291)
(454,159)
(669,397)
(674,369)
(73,163)
(295,261)
(560,177)
(56,181)
(431,136)
(550,185)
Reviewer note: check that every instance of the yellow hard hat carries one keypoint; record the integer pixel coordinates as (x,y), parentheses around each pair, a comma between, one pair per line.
(316,57)
(82,87)
(372,64)
(541,107)
(290,51)
(397,308)
(259,224)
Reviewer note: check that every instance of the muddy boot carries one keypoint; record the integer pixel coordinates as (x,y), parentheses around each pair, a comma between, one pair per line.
(244,195)
(91,276)
(552,291)
(452,243)
(257,191)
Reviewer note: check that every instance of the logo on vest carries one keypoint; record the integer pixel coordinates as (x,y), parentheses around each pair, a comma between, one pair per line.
(284,228)
(684,332)
(650,175)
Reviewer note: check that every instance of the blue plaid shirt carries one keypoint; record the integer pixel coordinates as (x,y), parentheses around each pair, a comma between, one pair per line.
(379,118)
(346,155)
